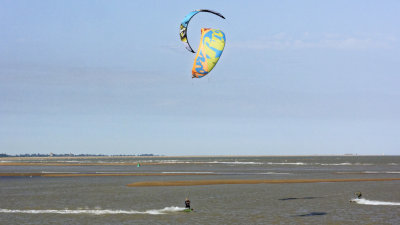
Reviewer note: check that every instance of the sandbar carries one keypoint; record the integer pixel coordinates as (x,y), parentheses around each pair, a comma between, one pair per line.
(55,174)
(277,181)
(75,164)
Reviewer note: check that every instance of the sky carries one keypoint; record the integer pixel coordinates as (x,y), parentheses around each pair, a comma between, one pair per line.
(112,77)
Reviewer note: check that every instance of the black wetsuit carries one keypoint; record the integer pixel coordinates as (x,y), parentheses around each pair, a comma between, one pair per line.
(187,204)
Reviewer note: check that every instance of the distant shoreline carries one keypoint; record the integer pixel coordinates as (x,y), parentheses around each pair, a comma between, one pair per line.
(73,161)
(182,156)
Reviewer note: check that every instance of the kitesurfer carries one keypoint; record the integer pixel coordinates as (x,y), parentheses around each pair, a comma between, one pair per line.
(358,194)
(187,203)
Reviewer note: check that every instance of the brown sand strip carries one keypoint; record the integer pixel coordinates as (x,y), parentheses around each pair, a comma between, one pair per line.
(20,174)
(75,164)
(96,174)
(115,174)
(215,182)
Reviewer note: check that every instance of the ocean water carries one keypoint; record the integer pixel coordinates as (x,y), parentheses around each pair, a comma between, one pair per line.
(108,199)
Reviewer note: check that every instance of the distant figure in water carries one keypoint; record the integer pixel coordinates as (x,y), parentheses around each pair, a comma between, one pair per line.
(187,203)
(358,194)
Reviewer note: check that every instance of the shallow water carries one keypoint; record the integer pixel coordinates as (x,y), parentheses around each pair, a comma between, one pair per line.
(107,200)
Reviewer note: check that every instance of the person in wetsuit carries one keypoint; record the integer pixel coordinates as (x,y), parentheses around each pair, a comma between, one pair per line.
(187,203)
(358,194)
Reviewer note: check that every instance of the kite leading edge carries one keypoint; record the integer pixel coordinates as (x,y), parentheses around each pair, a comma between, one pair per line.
(185,23)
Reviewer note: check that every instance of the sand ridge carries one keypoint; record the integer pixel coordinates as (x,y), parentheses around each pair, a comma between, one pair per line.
(277,181)
(55,174)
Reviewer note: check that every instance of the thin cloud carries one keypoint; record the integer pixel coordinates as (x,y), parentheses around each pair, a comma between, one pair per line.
(64,75)
(283,41)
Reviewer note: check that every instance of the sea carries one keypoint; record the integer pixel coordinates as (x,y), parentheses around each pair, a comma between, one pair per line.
(94,199)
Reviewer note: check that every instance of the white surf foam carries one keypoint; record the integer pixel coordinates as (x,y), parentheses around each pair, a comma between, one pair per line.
(95,211)
(172,161)
(272,173)
(371,172)
(261,173)
(381,172)
(344,164)
(190,172)
(237,162)
(113,172)
(363,201)
(287,163)
(68,161)
(58,172)
(335,164)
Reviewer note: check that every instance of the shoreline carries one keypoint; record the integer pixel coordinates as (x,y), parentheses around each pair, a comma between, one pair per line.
(58,174)
(78,164)
(278,181)
(183,156)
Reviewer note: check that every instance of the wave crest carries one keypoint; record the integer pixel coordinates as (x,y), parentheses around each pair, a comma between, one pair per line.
(165,210)
(363,201)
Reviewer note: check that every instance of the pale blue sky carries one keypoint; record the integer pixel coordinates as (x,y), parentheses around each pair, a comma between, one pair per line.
(112,77)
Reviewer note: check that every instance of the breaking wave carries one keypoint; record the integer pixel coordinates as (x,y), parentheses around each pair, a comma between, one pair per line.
(335,164)
(237,162)
(321,164)
(249,173)
(68,161)
(380,172)
(286,163)
(189,172)
(95,211)
(363,201)
(49,172)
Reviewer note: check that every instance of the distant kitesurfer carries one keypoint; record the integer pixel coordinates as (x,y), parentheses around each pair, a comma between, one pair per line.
(187,203)
(358,194)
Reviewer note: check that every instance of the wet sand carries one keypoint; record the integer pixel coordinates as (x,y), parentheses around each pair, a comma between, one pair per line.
(278,181)
(96,174)
(78,164)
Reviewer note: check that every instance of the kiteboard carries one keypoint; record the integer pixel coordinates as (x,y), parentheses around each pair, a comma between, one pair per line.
(187,210)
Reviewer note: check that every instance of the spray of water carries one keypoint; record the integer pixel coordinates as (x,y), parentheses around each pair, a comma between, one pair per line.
(363,201)
(165,210)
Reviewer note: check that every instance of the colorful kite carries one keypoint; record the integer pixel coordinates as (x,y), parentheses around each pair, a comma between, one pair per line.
(212,43)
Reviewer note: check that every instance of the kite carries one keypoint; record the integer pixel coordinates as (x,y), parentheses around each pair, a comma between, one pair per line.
(185,23)
(212,44)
